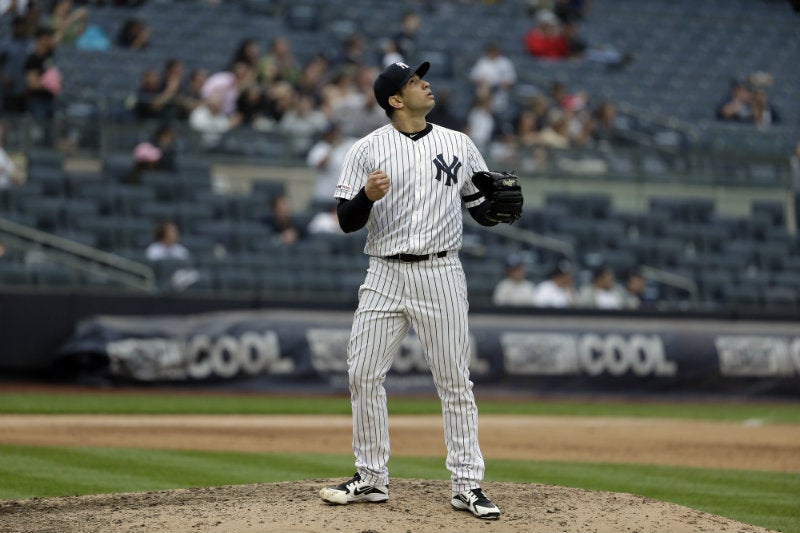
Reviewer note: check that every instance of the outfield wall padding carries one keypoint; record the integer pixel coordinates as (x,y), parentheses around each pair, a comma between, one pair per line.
(263,345)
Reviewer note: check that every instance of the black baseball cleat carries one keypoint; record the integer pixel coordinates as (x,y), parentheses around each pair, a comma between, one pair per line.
(477,503)
(354,491)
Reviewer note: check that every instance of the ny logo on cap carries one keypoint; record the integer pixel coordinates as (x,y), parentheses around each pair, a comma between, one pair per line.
(402,65)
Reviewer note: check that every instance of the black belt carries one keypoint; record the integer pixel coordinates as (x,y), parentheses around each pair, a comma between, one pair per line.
(411,258)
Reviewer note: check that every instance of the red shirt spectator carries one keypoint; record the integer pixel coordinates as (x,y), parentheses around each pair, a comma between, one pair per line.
(545,39)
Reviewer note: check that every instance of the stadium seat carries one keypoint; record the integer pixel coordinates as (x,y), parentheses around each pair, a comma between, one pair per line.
(53,180)
(14,274)
(51,275)
(235,280)
(781,299)
(46,211)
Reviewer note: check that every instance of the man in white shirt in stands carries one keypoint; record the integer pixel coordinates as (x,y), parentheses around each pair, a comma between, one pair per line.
(514,289)
(166,247)
(559,289)
(496,72)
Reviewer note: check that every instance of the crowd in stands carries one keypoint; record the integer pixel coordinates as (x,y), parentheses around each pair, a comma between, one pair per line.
(324,103)
(561,289)
(270,90)
(748,102)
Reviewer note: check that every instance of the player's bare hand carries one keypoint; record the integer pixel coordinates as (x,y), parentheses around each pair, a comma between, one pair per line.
(377,185)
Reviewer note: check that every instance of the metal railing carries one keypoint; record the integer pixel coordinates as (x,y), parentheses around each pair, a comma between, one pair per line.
(536,240)
(78,256)
(566,249)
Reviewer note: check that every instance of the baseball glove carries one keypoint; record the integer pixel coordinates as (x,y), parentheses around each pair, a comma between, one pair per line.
(503,192)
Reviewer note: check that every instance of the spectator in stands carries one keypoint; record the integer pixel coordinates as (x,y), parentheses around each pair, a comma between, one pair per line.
(146,156)
(325,222)
(281,221)
(515,289)
(354,50)
(156,154)
(736,106)
(545,39)
(279,63)
(148,90)
(252,105)
(30,11)
(225,86)
(495,71)
(248,52)
(281,97)
(556,133)
(565,99)
(42,77)
(133,34)
(326,158)
(15,7)
(341,93)
(158,96)
(521,147)
(190,97)
(10,173)
(634,292)
(527,127)
(602,292)
(166,244)
(604,127)
(405,40)
(558,290)
(764,113)
(389,53)
(443,114)
(68,21)
(14,51)
(481,122)
(211,121)
(302,123)
(314,78)
(363,114)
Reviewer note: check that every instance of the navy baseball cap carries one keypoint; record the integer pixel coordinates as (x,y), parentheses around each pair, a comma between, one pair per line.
(392,79)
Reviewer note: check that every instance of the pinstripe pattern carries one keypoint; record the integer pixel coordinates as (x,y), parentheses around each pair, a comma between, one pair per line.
(431,297)
(419,215)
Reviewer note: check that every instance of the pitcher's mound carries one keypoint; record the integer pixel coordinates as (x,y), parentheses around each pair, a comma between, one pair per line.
(415,506)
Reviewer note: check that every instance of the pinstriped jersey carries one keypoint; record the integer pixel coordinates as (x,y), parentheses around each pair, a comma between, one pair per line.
(422,211)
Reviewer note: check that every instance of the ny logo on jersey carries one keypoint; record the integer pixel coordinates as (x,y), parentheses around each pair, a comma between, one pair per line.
(450,170)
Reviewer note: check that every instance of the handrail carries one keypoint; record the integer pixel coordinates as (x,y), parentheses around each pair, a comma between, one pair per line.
(531,237)
(79,256)
(568,250)
(672,279)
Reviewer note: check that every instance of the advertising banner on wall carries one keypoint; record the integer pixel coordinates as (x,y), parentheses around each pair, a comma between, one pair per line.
(565,353)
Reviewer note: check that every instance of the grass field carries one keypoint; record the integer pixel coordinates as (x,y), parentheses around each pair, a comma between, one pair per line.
(768,499)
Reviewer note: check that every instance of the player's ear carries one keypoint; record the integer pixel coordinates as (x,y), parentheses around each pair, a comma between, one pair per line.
(396,101)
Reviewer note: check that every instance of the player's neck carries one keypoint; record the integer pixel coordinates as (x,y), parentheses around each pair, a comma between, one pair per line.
(405,124)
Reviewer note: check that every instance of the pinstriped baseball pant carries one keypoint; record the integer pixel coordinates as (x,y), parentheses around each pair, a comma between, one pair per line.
(431,297)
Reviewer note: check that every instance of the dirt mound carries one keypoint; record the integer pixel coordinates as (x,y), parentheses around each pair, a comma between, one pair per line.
(415,506)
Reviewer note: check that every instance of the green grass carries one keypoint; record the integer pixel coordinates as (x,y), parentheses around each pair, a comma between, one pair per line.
(211,403)
(767,499)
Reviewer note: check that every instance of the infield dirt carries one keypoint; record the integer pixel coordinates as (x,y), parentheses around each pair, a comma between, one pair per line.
(415,506)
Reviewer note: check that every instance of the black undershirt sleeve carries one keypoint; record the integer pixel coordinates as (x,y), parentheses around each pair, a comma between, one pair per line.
(479,214)
(354,213)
